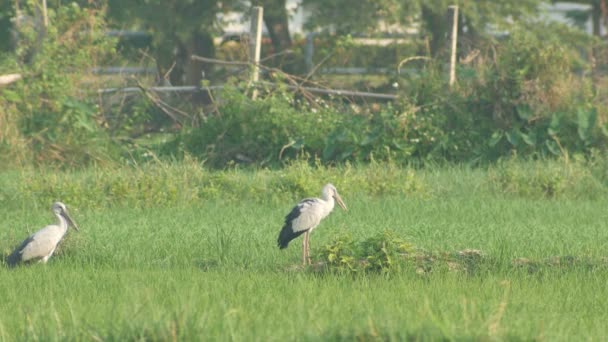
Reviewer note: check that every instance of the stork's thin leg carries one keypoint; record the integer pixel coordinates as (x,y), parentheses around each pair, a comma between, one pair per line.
(304,248)
(308,249)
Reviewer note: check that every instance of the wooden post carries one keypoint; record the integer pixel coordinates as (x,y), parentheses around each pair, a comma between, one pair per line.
(255,45)
(45,16)
(453,15)
(309,51)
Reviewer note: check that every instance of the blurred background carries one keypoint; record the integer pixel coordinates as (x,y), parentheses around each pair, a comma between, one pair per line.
(125,81)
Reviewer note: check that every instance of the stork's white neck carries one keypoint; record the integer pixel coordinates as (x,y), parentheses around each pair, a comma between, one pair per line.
(329,204)
(63,223)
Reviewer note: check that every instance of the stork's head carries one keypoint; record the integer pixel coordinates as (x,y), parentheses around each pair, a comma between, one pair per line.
(329,190)
(60,209)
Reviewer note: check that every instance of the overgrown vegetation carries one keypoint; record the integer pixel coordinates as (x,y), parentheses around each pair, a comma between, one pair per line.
(389,254)
(383,252)
(527,93)
(188,182)
(521,94)
(49,118)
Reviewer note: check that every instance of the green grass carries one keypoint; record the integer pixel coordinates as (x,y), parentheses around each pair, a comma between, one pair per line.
(210,269)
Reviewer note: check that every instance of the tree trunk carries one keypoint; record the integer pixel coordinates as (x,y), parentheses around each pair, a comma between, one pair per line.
(435,24)
(596,15)
(201,44)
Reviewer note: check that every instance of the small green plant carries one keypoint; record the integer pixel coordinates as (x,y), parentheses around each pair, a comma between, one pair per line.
(384,251)
(340,254)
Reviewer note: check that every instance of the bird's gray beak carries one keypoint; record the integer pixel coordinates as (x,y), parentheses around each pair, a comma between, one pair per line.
(70,221)
(340,202)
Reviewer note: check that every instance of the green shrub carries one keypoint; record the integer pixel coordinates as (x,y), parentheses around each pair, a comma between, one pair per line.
(384,251)
(340,255)
(280,127)
(55,116)
(524,94)
(261,131)
(14,149)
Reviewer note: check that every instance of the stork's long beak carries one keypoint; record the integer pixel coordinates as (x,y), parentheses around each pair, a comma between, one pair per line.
(70,221)
(340,202)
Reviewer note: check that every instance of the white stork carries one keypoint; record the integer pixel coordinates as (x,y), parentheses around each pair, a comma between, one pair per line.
(306,216)
(42,244)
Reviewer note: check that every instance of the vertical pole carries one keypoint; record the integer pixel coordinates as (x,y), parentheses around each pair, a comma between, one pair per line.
(45,17)
(453,14)
(17,15)
(309,51)
(255,45)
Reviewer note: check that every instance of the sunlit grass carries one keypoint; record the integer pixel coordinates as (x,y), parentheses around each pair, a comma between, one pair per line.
(210,269)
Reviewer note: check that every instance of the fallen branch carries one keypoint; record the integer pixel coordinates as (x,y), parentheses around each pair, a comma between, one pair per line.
(191,89)
(409,59)
(171,111)
(339,92)
(217,61)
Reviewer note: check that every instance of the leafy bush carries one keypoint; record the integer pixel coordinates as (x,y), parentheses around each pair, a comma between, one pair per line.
(53,114)
(340,255)
(522,94)
(515,96)
(281,126)
(388,253)
(14,149)
(261,131)
(528,94)
(384,252)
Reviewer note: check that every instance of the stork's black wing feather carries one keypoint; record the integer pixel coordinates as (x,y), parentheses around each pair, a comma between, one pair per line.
(15,257)
(287,233)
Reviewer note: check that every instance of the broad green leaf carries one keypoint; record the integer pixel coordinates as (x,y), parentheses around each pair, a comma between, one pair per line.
(529,139)
(369,139)
(495,138)
(347,153)
(604,129)
(514,137)
(397,144)
(328,151)
(586,123)
(524,111)
(555,124)
(552,147)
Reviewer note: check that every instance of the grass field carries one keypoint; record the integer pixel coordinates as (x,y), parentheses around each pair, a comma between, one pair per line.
(210,269)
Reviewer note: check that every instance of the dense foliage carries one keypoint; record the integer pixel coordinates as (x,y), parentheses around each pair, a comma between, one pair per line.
(526,93)
(50,117)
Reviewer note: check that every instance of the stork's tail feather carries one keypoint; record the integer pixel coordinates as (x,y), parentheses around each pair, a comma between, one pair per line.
(13,259)
(286,236)
(16,257)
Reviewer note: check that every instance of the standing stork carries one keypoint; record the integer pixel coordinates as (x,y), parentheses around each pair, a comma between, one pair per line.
(42,244)
(306,216)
